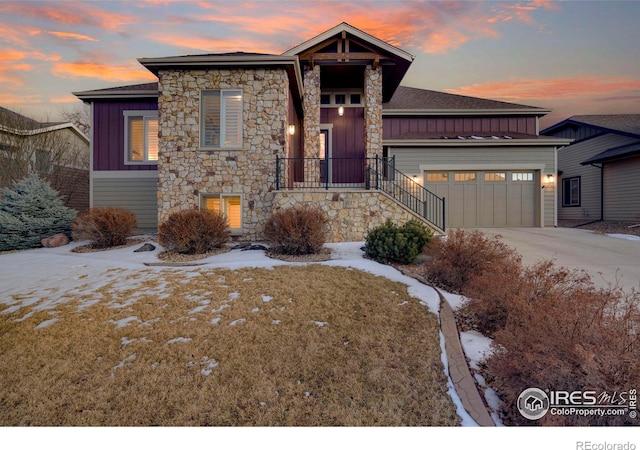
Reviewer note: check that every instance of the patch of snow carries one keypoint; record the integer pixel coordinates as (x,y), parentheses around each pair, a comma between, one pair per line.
(237,322)
(178,339)
(46,323)
(215,320)
(197,309)
(255,310)
(403,303)
(320,324)
(220,308)
(266,298)
(124,322)
(234,295)
(275,322)
(123,363)
(476,347)
(454,300)
(629,237)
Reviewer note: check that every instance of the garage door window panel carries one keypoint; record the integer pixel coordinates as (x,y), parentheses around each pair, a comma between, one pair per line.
(464,176)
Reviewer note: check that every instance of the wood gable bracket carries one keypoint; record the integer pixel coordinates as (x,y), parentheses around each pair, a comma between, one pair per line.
(343,53)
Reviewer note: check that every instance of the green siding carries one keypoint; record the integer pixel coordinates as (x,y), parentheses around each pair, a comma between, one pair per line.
(138,195)
(569,159)
(622,190)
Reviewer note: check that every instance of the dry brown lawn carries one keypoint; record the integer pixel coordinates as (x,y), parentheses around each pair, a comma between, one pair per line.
(289,346)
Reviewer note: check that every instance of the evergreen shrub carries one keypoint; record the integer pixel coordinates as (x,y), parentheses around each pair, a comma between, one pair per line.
(391,243)
(104,226)
(193,231)
(30,211)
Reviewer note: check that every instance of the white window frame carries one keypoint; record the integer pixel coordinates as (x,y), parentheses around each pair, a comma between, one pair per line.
(221,197)
(238,141)
(146,116)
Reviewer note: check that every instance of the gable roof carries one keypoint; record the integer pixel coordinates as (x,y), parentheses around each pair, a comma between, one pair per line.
(18,124)
(345,46)
(408,100)
(626,151)
(143,90)
(625,124)
(345,27)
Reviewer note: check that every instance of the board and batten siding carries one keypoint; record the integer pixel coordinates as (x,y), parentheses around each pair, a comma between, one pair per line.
(622,190)
(394,127)
(133,191)
(569,159)
(108,134)
(413,161)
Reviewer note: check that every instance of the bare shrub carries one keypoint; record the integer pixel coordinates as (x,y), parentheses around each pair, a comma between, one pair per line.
(193,231)
(300,230)
(104,226)
(463,254)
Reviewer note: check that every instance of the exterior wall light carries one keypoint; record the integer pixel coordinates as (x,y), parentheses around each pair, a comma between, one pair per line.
(341,110)
(550,178)
(292,129)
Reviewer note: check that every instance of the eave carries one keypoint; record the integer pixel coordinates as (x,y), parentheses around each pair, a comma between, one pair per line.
(473,143)
(464,112)
(108,94)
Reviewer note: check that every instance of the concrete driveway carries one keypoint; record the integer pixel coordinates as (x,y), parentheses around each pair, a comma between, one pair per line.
(605,258)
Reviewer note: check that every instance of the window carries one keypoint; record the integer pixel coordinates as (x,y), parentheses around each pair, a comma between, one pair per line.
(229,205)
(141,137)
(340,99)
(221,114)
(522,176)
(437,176)
(495,176)
(571,191)
(355,99)
(325,99)
(464,176)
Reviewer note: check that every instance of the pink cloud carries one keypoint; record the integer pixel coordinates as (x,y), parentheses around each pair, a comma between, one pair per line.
(102,71)
(73,36)
(551,88)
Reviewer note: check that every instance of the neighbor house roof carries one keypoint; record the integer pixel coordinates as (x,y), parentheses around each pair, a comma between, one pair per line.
(408,100)
(626,151)
(18,124)
(626,124)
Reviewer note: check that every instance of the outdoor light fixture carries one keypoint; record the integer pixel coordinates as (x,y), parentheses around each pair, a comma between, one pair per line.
(550,178)
(415,179)
(292,129)
(341,110)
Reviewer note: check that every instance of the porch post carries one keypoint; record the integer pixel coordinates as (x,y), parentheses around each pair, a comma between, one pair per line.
(373,112)
(311,124)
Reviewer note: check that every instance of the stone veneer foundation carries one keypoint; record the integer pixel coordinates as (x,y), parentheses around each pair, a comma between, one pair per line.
(186,171)
(351,213)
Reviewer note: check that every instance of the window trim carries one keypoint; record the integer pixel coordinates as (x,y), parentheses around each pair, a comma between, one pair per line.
(221,196)
(567,181)
(236,146)
(146,116)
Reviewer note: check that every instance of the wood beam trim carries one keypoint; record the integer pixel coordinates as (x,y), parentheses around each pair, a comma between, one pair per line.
(347,56)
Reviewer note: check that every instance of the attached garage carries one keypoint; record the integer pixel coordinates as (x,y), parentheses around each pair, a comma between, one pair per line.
(496,198)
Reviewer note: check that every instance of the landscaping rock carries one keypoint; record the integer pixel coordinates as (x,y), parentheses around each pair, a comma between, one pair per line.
(57,240)
(146,248)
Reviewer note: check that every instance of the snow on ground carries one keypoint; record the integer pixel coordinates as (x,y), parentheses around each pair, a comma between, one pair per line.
(52,276)
(629,237)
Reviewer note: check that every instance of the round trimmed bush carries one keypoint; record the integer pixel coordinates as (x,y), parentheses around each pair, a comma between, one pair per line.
(193,231)
(300,230)
(104,226)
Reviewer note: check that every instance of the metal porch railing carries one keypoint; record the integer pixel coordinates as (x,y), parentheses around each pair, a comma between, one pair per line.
(361,173)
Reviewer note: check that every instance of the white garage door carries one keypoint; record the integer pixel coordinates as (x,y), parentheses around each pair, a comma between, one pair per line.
(486,198)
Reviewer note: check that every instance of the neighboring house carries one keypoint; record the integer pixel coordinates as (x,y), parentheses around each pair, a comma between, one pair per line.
(327,124)
(58,151)
(599,173)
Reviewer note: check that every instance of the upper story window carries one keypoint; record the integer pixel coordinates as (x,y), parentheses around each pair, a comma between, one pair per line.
(141,137)
(341,98)
(221,123)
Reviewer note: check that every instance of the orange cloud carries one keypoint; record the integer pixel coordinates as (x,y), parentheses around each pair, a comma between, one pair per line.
(550,89)
(68,35)
(80,13)
(213,45)
(108,72)
(11,55)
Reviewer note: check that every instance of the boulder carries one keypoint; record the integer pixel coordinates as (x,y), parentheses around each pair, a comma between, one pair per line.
(146,248)
(57,240)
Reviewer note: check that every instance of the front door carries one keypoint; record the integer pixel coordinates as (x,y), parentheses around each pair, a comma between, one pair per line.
(326,170)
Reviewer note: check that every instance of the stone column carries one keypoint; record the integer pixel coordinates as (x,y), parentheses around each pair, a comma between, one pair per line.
(373,112)
(311,108)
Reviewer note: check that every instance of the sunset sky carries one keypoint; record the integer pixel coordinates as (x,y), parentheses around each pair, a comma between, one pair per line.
(574,57)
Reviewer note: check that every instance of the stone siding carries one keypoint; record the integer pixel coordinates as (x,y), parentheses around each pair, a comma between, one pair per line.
(351,213)
(185,171)
(373,112)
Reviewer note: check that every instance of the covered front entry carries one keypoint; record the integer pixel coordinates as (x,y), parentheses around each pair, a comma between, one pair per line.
(497,198)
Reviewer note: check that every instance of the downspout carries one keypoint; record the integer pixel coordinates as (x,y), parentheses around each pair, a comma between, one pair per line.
(601,167)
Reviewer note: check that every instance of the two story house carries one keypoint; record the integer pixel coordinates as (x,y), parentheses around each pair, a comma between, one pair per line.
(325,123)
